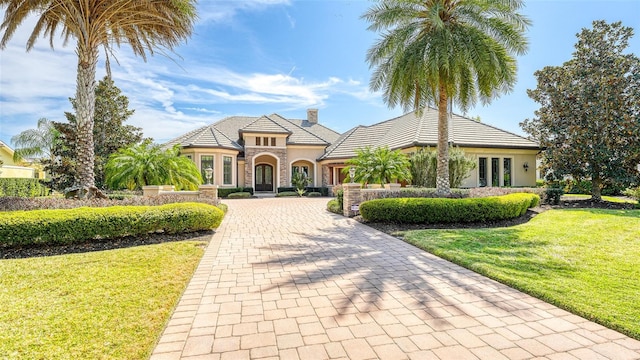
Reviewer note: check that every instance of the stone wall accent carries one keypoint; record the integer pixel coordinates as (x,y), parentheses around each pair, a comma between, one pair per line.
(351,196)
(325,175)
(281,154)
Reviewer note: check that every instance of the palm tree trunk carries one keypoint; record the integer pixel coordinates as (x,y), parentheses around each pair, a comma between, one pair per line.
(85,109)
(442,171)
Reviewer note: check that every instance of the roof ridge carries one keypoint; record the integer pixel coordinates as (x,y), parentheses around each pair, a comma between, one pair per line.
(341,140)
(300,127)
(267,118)
(190,133)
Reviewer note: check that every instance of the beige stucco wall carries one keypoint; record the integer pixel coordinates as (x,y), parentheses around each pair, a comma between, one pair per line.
(250,139)
(218,163)
(306,155)
(520,177)
(11,171)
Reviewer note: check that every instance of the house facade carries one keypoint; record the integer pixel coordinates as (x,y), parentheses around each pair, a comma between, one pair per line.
(10,169)
(265,152)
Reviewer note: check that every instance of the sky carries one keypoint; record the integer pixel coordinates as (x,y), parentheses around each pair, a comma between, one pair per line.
(258,57)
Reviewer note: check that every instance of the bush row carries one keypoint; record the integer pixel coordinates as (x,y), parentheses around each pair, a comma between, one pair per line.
(442,210)
(17,203)
(225,192)
(20,228)
(22,187)
(322,190)
(418,192)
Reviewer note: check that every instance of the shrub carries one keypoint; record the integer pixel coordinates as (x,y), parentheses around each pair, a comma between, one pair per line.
(334,206)
(66,226)
(633,193)
(441,210)
(340,198)
(498,191)
(223,207)
(287,194)
(322,190)
(552,195)
(22,187)
(314,194)
(239,195)
(371,194)
(424,165)
(17,203)
(225,192)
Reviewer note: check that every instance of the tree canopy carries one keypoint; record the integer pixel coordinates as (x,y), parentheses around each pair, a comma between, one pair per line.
(109,133)
(146,25)
(37,142)
(443,52)
(589,117)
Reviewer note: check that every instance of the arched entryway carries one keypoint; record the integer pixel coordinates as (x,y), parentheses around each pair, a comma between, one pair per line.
(264,177)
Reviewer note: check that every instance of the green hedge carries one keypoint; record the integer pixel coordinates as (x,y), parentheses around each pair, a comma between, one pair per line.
(239,195)
(287,194)
(334,206)
(322,190)
(22,187)
(441,210)
(65,226)
(225,192)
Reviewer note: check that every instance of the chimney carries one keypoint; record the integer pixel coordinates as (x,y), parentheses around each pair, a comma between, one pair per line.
(312,116)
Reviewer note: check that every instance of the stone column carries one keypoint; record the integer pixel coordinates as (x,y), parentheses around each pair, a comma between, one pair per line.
(351,196)
(151,190)
(209,191)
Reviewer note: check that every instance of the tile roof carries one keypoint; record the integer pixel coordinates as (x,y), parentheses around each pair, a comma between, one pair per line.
(410,130)
(226,132)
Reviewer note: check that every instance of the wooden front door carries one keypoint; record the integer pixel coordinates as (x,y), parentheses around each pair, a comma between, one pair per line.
(264,177)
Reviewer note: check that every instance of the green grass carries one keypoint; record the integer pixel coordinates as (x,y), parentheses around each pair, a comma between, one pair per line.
(99,305)
(586,261)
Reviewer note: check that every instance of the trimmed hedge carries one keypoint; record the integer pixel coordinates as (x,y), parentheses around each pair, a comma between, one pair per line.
(22,187)
(313,194)
(442,210)
(20,228)
(334,206)
(287,194)
(239,195)
(225,192)
(322,190)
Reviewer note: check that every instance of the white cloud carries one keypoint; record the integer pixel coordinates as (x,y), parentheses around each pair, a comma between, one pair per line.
(225,11)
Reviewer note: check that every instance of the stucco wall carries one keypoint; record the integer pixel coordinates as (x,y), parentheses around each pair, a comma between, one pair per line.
(218,163)
(306,155)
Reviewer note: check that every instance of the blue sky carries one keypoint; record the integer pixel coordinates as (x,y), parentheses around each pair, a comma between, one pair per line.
(255,57)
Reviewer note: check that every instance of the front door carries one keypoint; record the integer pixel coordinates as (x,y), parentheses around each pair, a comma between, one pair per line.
(264,177)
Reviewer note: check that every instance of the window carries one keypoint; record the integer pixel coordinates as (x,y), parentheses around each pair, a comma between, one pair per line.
(482,171)
(265,141)
(206,161)
(495,171)
(506,172)
(227,170)
(273,141)
(257,140)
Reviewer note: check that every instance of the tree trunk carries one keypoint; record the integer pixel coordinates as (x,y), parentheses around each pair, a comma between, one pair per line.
(85,109)
(596,189)
(442,171)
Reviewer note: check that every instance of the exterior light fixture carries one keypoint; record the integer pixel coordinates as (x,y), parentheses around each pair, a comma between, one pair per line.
(352,174)
(525,166)
(208,173)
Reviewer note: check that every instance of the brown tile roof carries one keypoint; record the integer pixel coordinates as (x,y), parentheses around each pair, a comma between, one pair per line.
(410,130)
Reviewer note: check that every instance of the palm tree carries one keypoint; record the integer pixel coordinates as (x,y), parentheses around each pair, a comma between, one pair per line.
(146,25)
(148,164)
(445,51)
(379,165)
(35,142)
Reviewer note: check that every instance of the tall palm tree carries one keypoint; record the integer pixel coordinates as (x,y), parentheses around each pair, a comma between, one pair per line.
(35,142)
(444,52)
(146,25)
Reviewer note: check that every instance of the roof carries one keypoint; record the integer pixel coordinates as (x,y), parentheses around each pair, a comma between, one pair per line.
(227,132)
(410,130)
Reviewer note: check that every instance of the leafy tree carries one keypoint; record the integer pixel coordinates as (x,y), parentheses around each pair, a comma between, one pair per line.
(37,142)
(445,51)
(589,116)
(424,164)
(150,164)
(146,25)
(379,166)
(109,133)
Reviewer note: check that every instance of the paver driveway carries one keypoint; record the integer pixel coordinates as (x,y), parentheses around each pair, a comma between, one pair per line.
(283,278)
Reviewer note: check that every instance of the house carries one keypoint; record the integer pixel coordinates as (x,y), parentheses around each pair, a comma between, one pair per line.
(265,152)
(11,169)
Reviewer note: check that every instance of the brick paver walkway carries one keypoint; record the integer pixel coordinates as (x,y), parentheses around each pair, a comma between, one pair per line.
(284,279)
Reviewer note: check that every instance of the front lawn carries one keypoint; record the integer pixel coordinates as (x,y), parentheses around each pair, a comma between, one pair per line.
(97,305)
(585,260)
(604,198)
